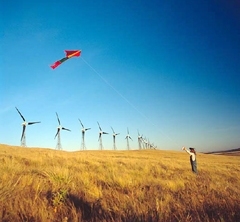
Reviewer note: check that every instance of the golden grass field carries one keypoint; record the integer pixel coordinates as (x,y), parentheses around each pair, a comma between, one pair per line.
(143,185)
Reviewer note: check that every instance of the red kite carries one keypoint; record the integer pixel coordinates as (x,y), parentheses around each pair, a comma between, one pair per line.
(69,54)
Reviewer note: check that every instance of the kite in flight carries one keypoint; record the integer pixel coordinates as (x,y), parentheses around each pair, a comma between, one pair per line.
(69,54)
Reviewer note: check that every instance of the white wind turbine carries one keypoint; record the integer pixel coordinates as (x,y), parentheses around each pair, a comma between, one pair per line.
(59,128)
(140,140)
(145,143)
(83,135)
(114,139)
(100,137)
(24,124)
(127,138)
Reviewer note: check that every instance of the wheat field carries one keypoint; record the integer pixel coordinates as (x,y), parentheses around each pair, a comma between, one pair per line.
(47,185)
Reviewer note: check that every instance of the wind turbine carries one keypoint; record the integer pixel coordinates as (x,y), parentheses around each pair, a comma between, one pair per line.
(140,140)
(83,135)
(100,137)
(153,146)
(24,124)
(114,139)
(59,128)
(145,143)
(148,144)
(128,137)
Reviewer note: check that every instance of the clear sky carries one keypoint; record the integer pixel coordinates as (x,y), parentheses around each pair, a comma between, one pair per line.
(170,69)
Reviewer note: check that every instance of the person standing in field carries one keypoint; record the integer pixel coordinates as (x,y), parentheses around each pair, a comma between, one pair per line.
(193,159)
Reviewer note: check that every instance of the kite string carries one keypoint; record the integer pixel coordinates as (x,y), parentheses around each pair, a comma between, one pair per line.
(123,97)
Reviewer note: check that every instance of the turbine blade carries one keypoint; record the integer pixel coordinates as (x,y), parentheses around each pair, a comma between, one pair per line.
(66,129)
(113,130)
(20,114)
(58,119)
(33,123)
(99,126)
(23,131)
(87,129)
(104,133)
(81,123)
(58,130)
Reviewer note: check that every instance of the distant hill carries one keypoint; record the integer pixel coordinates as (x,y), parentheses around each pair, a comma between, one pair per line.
(232,152)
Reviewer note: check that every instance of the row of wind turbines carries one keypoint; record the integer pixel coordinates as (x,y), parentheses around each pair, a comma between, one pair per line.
(143,143)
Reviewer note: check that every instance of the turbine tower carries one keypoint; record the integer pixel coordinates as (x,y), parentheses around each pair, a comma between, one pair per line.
(128,137)
(83,147)
(114,139)
(100,137)
(59,128)
(24,124)
(140,140)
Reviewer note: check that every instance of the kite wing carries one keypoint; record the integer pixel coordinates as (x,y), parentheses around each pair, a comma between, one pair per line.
(69,54)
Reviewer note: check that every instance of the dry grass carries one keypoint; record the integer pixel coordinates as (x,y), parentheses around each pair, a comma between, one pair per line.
(47,185)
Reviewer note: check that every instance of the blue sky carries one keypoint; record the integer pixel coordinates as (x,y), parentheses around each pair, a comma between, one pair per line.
(169,69)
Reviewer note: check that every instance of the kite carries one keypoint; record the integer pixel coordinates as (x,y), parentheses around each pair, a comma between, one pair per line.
(69,54)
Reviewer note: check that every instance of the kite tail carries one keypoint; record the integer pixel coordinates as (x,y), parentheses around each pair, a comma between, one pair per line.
(59,62)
